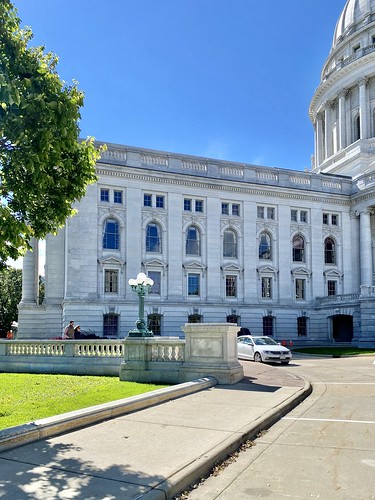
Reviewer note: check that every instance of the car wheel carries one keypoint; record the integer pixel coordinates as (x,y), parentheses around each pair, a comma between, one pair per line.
(257,357)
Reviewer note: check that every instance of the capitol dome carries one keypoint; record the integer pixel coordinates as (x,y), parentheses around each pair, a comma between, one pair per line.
(355,14)
(342,109)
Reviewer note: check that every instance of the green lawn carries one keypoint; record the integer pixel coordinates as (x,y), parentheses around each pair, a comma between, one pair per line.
(335,351)
(28,397)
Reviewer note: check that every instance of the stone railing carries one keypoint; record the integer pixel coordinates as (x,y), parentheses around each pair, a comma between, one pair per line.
(209,349)
(89,357)
(63,348)
(337,299)
(166,350)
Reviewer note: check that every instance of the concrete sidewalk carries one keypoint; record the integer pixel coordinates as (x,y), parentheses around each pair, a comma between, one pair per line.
(156,452)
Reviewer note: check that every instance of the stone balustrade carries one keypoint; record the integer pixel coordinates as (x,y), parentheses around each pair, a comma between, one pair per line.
(89,357)
(337,299)
(209,349)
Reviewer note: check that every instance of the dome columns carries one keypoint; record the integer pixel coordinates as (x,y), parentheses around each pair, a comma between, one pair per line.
(363,111)
(342,95)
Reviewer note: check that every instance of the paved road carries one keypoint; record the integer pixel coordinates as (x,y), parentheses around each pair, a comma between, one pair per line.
(324,448)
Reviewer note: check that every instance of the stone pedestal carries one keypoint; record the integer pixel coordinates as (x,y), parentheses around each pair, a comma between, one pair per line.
(211,350)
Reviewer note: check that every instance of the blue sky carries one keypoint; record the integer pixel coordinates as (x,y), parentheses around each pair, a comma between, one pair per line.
(228,79)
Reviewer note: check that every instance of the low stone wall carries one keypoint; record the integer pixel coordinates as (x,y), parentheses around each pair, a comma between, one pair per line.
(71,357)
(209,350)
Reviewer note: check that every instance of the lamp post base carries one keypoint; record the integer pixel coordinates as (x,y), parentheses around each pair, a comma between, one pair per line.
(141,330)
(140,333)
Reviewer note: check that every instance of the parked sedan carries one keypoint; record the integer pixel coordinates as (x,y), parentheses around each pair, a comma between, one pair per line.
(262,349)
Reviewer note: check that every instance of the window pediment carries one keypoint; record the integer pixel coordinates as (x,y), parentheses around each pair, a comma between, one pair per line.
(267,270)
(332,273)
(111,261)
(154,263)
(231,268)
(301,271)
(194,266)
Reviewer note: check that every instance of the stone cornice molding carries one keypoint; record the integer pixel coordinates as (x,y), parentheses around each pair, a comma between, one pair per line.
(274,191)
(333,79)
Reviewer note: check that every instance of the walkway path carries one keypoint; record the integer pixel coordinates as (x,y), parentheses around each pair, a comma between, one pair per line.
(156,452)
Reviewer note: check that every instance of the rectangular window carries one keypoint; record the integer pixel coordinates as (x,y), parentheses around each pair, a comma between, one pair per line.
(300,289)
(110,325)
(195,318)
(303,216)
(110,281)
(332,287)
(268,326)
(260,212)
(231,286)
(117,197)
(266,288)
(156,278)
(104,195)
(270,213)
(334,220)
(235,209)
(147,200)
(199,205)
(225,208)
(325,218)
(293,215)
(154,323)
(193,284)
(187,205)
(160,202)
(233,318)
(302,326)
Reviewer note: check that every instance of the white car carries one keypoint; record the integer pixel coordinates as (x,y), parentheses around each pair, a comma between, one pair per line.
(262,349)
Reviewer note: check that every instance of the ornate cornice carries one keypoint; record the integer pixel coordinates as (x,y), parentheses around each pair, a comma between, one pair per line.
(275,191)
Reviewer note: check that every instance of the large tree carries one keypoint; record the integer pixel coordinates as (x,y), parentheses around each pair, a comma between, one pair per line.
(10,297)
(44,167)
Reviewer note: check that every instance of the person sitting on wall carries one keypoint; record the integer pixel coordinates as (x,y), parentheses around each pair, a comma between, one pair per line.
(69,331)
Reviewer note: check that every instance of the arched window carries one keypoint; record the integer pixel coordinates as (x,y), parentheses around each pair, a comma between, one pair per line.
(265,246)
(193,241)
(111,235)
(298,249)
(329,251)
(153,238)
(230,244)
(357,128)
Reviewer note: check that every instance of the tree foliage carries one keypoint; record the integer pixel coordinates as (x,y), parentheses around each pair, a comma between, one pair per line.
(44,167)
(10,297)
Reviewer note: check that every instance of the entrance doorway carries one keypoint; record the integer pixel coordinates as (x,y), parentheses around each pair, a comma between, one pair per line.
(342,328)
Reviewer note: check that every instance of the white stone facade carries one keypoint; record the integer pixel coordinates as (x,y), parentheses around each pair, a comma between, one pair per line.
(281,252)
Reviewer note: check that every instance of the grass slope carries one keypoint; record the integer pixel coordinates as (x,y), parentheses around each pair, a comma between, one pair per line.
(28,397)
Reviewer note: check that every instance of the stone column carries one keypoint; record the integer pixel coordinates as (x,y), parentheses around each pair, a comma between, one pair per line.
(328,130)
(30,275)
(363,111)
(365,248)
(342,118)
(319,154)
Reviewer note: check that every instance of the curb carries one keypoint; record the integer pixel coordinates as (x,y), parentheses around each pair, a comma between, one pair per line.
(13,437)
(202,465)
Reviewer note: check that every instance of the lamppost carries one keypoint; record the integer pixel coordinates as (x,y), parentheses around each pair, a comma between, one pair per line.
(141,286)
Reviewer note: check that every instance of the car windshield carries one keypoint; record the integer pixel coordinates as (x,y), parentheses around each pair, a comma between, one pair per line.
(264,341)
